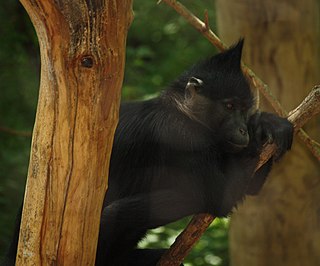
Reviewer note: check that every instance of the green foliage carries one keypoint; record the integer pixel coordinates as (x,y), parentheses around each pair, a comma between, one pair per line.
(18,86)
(212,248)
(160,46)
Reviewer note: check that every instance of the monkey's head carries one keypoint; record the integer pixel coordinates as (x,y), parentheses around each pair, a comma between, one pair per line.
(217,95)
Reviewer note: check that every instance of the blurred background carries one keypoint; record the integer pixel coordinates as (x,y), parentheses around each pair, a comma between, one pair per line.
(282,226)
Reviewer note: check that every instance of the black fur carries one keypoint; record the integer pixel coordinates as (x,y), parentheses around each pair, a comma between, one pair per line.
(191,150)
(182,154)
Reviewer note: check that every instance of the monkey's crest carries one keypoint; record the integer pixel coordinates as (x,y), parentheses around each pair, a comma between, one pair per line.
(221,76)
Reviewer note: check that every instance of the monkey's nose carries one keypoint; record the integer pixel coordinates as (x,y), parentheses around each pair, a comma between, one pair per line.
(243,131)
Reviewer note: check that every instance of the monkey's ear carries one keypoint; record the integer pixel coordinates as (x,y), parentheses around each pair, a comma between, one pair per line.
(193,85)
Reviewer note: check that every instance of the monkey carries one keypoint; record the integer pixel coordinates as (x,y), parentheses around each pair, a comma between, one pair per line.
(193,149)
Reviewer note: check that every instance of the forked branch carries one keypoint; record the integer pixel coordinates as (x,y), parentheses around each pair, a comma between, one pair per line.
(204,29)
(308,108)
(199,223)
(299,117)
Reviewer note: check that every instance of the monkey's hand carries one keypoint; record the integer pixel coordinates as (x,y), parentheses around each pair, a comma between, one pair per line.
(269,128)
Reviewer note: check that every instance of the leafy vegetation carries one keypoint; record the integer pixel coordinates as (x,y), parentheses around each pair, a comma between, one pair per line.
(160,46)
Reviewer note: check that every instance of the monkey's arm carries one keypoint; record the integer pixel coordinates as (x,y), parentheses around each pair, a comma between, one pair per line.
(126,220)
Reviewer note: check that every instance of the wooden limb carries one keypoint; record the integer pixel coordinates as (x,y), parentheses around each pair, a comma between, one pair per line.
(299,117)
(196,23)
(206,20)
(313,145)
(307,109)
(202,27)
(15,132)
(187,239)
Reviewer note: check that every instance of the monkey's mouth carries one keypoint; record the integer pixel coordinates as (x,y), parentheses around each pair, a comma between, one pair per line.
(237,145)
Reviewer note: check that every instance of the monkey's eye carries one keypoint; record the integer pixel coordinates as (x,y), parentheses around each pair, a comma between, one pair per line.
(229,106)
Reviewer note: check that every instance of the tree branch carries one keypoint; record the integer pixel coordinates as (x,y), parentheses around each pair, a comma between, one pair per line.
(15,132)
(199,223)
(309,107)
(196,23)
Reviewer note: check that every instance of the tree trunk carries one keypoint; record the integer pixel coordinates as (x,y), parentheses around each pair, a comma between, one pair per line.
(282,225)
(82,46)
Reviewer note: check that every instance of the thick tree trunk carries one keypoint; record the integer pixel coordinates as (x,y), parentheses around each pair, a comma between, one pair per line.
(82,45)
(281,226)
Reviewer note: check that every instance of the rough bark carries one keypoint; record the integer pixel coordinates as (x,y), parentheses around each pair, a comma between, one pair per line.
(281,225)
(82,46)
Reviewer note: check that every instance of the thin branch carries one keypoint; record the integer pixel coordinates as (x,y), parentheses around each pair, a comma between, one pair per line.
(195,22)
(187,239)
(206,20)
(16,132)
(252,77)
(309,107)
(310,143)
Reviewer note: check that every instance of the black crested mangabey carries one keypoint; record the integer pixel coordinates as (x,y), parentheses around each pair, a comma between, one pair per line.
(191,150)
